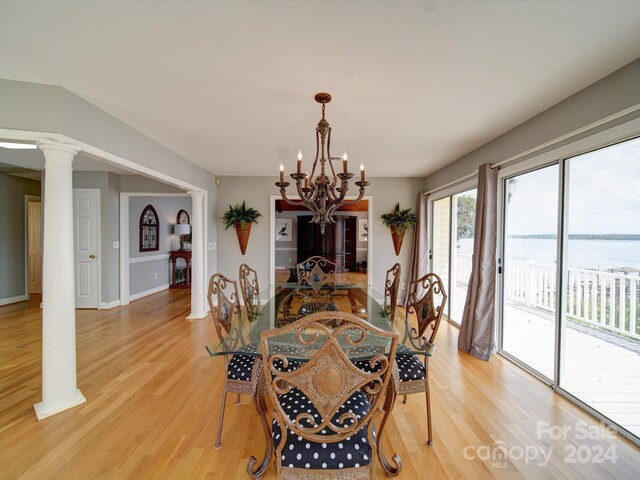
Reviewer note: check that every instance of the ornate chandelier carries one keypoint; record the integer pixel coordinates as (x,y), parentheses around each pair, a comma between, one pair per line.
(322,194)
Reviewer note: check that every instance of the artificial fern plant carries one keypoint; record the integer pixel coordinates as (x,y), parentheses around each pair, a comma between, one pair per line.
(399,220)
(240,214)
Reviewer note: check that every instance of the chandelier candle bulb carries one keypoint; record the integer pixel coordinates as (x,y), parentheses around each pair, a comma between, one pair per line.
(299,169)
(306,181)
(281,172)
(362,172)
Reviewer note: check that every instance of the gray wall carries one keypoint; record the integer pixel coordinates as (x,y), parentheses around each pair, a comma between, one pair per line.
(12,254)
(12,233)
(142,274)
(609,96)
(257,191)
(52,109)
(48,108)
(140,184)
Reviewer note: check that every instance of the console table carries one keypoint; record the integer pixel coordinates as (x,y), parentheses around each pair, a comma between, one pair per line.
(173,258)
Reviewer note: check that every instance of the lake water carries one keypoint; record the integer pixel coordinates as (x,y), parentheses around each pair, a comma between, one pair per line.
(589,254)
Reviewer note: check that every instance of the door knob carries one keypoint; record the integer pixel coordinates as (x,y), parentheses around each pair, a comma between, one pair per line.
(92,256)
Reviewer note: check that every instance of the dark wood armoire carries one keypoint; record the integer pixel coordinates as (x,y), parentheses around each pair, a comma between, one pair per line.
(338,244)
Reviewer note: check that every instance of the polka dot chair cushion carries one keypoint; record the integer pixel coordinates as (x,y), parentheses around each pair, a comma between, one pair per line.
(240,366)
(298,452)
(410,367)
(281,322)
(312,307)
(291,364)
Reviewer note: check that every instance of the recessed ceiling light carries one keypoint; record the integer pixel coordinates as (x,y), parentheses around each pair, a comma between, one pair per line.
(18,146)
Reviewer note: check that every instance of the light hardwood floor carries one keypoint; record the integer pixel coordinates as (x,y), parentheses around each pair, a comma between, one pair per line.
(153,398)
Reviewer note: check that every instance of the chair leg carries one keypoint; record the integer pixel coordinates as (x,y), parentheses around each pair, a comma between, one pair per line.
(224,401)
(405,399)
(238,400)
(429,436)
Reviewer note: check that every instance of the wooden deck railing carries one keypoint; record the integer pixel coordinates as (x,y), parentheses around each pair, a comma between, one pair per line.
(602,299)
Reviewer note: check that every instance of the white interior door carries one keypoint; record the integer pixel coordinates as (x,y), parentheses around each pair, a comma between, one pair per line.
(85,235)
(34,245)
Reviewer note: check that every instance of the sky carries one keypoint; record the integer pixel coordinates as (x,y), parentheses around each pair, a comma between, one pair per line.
(603,194)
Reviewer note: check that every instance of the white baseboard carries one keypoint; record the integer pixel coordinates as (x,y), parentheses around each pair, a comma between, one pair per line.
(107,306)
(138,295)
(7,301)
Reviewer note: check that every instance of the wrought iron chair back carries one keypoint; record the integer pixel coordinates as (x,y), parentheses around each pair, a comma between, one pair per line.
(427,299)
(316,271)
(328,380)
(391,285)
(250,290)
(227,306)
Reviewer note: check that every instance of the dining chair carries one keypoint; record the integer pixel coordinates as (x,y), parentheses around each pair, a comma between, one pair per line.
(427,299)
(325,412)
(242,371)
(320,274)
(391,284)
(250,290)
(316,271)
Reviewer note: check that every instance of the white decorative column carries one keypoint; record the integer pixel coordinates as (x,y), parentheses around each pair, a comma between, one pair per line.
(59,388)
(198,284)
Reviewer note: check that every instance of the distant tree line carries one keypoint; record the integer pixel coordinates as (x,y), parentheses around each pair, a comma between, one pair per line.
(583,236)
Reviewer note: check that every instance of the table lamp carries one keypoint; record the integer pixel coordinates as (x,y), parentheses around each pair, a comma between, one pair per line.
(181,229)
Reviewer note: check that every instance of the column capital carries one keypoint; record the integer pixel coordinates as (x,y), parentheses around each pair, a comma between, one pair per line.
(196,193)
(45,144)
(58,153)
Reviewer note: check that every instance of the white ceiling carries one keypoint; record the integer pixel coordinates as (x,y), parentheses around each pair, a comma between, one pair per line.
(230,85)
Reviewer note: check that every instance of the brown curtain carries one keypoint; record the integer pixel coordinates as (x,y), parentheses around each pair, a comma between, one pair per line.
(477,329)
(419,261)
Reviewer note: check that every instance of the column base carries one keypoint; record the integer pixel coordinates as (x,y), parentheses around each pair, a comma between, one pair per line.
(43,411)
(197,316)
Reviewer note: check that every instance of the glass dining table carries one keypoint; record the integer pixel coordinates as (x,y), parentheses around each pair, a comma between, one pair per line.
(283,304)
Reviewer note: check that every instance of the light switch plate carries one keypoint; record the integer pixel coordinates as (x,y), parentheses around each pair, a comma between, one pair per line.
(210,246)
(116,244)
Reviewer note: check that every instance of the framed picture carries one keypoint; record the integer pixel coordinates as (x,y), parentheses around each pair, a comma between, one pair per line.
(363,230)
(284,227)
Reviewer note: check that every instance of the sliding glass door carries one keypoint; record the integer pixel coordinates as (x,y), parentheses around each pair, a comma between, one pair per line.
(600,347)
(441,241)
(570,276)
(463,224)
(529,268)
(452,246)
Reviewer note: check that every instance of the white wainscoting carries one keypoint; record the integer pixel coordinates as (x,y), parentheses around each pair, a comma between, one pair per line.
(150,258)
